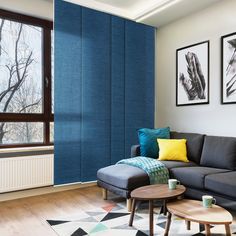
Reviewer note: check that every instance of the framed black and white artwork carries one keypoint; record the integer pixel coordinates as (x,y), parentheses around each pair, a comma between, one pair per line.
(192,74)
(228,49)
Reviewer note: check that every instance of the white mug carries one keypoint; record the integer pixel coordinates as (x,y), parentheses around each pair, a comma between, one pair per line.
(173,183)
(207,201)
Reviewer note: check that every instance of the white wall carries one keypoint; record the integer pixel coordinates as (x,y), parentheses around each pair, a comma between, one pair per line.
(38,8)
(209,24)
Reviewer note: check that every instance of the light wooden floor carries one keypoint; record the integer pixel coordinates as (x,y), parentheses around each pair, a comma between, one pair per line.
(27,216)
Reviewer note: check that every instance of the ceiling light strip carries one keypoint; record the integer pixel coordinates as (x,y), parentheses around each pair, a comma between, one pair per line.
(156,10)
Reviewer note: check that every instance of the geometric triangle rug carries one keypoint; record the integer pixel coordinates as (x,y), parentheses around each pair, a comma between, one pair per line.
(112,220)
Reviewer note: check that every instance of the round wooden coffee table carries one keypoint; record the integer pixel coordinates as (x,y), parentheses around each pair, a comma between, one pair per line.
(191,210)
(151,193)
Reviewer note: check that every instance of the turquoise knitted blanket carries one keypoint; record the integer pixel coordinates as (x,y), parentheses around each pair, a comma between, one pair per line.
(157,172)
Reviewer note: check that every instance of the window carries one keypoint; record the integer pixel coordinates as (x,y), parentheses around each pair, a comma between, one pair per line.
(26,96)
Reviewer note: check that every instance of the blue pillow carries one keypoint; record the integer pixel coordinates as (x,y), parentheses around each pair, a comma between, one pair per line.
(148,140)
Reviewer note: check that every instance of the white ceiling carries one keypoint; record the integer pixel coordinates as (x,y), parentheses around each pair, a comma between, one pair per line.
(121,4)
(151,12)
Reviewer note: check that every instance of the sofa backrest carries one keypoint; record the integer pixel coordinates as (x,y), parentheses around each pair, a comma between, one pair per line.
(194,144)
(135,150)
(219,152)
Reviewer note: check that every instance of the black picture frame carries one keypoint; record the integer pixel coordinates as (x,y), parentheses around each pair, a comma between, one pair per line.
(197,94)
(228,82)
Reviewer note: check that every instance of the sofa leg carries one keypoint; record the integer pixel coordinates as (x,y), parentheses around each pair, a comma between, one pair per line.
(104,194)
(129,204)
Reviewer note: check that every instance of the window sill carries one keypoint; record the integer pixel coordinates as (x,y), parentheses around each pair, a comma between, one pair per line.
(27,149)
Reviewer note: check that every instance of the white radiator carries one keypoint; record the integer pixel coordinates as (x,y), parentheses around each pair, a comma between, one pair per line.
(17,173)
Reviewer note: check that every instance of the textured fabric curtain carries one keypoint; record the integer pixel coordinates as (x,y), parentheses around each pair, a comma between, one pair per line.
(104,89)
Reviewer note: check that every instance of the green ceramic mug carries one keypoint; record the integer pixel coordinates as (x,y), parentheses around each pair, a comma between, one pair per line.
(173,183)
(207,201)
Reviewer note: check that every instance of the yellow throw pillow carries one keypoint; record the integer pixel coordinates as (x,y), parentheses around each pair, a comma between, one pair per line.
(172,150)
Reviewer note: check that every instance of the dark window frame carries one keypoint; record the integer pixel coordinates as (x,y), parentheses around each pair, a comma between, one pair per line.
(46,116)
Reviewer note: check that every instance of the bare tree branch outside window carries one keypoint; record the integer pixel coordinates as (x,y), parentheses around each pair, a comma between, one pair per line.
(20,80)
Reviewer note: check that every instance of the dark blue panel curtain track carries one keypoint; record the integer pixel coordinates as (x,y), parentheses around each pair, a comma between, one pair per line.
(104,89)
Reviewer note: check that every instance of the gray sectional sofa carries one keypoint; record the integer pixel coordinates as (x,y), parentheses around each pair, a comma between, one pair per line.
(211,170)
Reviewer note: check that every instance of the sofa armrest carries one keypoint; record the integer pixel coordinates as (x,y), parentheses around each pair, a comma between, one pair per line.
(135,150)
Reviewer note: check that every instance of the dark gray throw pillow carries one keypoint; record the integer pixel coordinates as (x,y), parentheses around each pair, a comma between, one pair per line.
(219,152)
(194,144)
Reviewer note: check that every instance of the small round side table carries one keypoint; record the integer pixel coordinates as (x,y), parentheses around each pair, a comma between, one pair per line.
(191,210)
(151,193)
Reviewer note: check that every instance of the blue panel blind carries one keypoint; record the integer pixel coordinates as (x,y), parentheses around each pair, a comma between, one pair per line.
(104,89)
(96,93)
(117,89)
(67,93)
(139,80)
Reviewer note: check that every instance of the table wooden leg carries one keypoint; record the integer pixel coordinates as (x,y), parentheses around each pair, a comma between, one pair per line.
(227,230)
(207,229)
(151,217)
(132,213)
(168,222)
(161,210)
(164,208)
(188,224)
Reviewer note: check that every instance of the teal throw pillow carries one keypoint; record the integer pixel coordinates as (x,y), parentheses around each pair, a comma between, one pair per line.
(148,140)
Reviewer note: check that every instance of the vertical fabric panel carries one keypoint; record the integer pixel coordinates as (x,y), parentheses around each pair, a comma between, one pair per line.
(117,89)
(104,89)
(149,61)
(96,92)
(67,92)
(139,81)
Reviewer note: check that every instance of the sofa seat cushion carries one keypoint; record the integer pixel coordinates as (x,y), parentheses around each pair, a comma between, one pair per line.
(123,176)
(194,177)
(223,183)
(175,164)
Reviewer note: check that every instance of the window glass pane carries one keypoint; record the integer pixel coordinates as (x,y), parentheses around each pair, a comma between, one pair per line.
(21,132)
(51,132)
(20,68)
(52,72)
